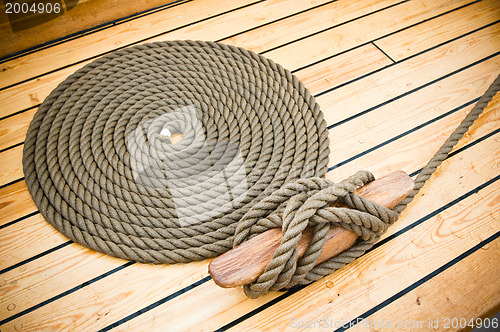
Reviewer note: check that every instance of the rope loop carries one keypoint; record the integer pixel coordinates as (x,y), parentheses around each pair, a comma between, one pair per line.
(309,202)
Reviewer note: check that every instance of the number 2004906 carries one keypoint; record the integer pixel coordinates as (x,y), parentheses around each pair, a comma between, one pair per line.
(25,8)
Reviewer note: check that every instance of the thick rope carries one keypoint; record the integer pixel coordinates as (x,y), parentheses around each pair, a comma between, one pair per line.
(101,167)
(102,170)
(450,142)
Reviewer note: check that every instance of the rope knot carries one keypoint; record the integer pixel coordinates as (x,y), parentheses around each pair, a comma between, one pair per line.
(312,202)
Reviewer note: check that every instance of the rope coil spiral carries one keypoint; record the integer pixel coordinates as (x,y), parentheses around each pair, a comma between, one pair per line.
(102,168)
(101,172)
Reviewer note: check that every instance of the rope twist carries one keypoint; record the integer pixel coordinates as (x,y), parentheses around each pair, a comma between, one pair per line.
(308,202)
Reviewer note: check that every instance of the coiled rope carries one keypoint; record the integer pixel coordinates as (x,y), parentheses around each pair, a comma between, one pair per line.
(103,169)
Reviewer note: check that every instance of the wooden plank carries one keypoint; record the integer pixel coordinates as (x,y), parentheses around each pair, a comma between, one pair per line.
(402,115)
(26,239)
(342,68)
(13,129)
(430,302)
(15,202)
(421,144)
(358,32)
(436,31)
(31,93)
(73,21)
(229,304)
(405,76)
(285,31)
(143,29)
(11,161)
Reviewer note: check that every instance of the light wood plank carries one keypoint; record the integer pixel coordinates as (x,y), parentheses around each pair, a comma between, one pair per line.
(421,144)
(436,31)
(11,161)
(15,202)
(387,264)
(136,31)
(404,114)
(358,32)
(26,239)
(405,76)
(13,129)
(285,31)
(342,68)
(430,302)
(33,92)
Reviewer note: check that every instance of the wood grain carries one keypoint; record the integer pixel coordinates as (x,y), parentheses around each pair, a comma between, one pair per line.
(15,202)
(26,239)
(13,129)
(428,302)
(410,74)
(431,33)
(386,122)
(383,271)
(423,143)
(287,30)
(33,92)
(245,263)
(342,68)
(11,161)
(362,31)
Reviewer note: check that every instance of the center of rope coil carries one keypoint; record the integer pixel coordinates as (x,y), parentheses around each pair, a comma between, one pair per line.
(308,202)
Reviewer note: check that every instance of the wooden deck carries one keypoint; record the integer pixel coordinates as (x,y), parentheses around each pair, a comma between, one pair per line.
(394,79)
